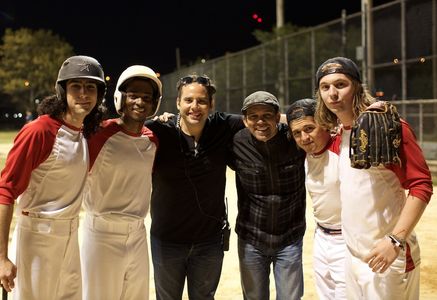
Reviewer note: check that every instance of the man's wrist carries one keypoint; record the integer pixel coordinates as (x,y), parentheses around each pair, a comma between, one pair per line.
(397,241)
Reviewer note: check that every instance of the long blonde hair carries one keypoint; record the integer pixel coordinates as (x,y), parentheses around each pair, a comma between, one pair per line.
(361,100)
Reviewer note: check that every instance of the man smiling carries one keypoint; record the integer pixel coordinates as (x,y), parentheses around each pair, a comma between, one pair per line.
(271,201)
(46,171)
(189,179)
(114,250)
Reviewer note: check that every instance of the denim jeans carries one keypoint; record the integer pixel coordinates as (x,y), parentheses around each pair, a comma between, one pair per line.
(200,264)
(255,271)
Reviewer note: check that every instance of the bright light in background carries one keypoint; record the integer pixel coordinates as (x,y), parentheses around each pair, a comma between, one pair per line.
(396,61)
(203,60)
(422,60)
(27,83)
(107,78)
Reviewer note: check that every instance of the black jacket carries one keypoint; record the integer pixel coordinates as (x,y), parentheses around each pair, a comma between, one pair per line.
(270,179)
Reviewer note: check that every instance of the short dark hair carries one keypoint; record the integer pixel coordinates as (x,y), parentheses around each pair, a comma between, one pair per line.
(203,80)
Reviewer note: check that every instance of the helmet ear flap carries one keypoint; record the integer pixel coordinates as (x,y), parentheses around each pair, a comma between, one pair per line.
(60,91)
(119,99)
(101,93)
(156,105)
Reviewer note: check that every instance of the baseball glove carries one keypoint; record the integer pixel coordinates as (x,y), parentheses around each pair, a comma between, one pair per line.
(376,137)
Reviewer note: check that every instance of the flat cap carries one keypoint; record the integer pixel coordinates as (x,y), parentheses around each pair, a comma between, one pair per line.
(260,97)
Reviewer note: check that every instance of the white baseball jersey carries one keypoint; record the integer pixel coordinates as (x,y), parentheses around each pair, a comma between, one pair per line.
(323,185)
(120,177)
(46,170)
(117,196)
(372,200)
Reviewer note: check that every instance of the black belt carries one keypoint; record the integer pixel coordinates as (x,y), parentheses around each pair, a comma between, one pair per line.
(328,230)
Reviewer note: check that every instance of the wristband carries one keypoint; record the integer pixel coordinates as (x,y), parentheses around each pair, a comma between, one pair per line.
(400,243)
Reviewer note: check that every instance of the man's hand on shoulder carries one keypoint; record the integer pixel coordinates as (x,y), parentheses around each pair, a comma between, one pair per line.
(164,118)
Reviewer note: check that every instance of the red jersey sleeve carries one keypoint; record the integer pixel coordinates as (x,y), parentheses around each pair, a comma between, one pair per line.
(414,173)
(32,146)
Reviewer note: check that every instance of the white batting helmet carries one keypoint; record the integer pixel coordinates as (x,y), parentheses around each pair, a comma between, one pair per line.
(137,71)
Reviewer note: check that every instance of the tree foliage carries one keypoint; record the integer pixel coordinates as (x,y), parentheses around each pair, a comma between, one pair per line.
(263,36)
(30,60)
(299,46)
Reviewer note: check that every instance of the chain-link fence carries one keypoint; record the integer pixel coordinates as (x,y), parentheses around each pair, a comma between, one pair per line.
(399,63)
(422,117)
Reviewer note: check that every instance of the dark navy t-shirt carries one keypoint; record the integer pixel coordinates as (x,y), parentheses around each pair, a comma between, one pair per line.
(189,182)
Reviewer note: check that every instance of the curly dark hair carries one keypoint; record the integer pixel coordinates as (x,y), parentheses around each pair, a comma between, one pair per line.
(92,121)
(55,107)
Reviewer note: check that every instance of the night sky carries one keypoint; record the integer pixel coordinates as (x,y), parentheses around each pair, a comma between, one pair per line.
(148,32)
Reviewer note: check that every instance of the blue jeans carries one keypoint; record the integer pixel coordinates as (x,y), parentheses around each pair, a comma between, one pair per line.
(255,271)
(200,263)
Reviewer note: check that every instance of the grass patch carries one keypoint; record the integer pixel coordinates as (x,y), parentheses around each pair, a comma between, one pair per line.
(7,137)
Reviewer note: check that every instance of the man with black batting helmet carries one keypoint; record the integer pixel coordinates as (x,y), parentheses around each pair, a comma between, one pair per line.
(46,171)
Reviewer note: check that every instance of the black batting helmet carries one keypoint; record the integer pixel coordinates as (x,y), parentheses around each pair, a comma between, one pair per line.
(80,66)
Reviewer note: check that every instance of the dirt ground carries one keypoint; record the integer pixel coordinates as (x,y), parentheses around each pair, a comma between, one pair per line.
(229,287)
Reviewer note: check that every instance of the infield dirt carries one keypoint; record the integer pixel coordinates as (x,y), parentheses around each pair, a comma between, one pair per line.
(229,286)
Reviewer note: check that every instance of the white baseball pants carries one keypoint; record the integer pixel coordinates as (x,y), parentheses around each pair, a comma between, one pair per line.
(329,265)
(115,259)
(395,284)
(47,258)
